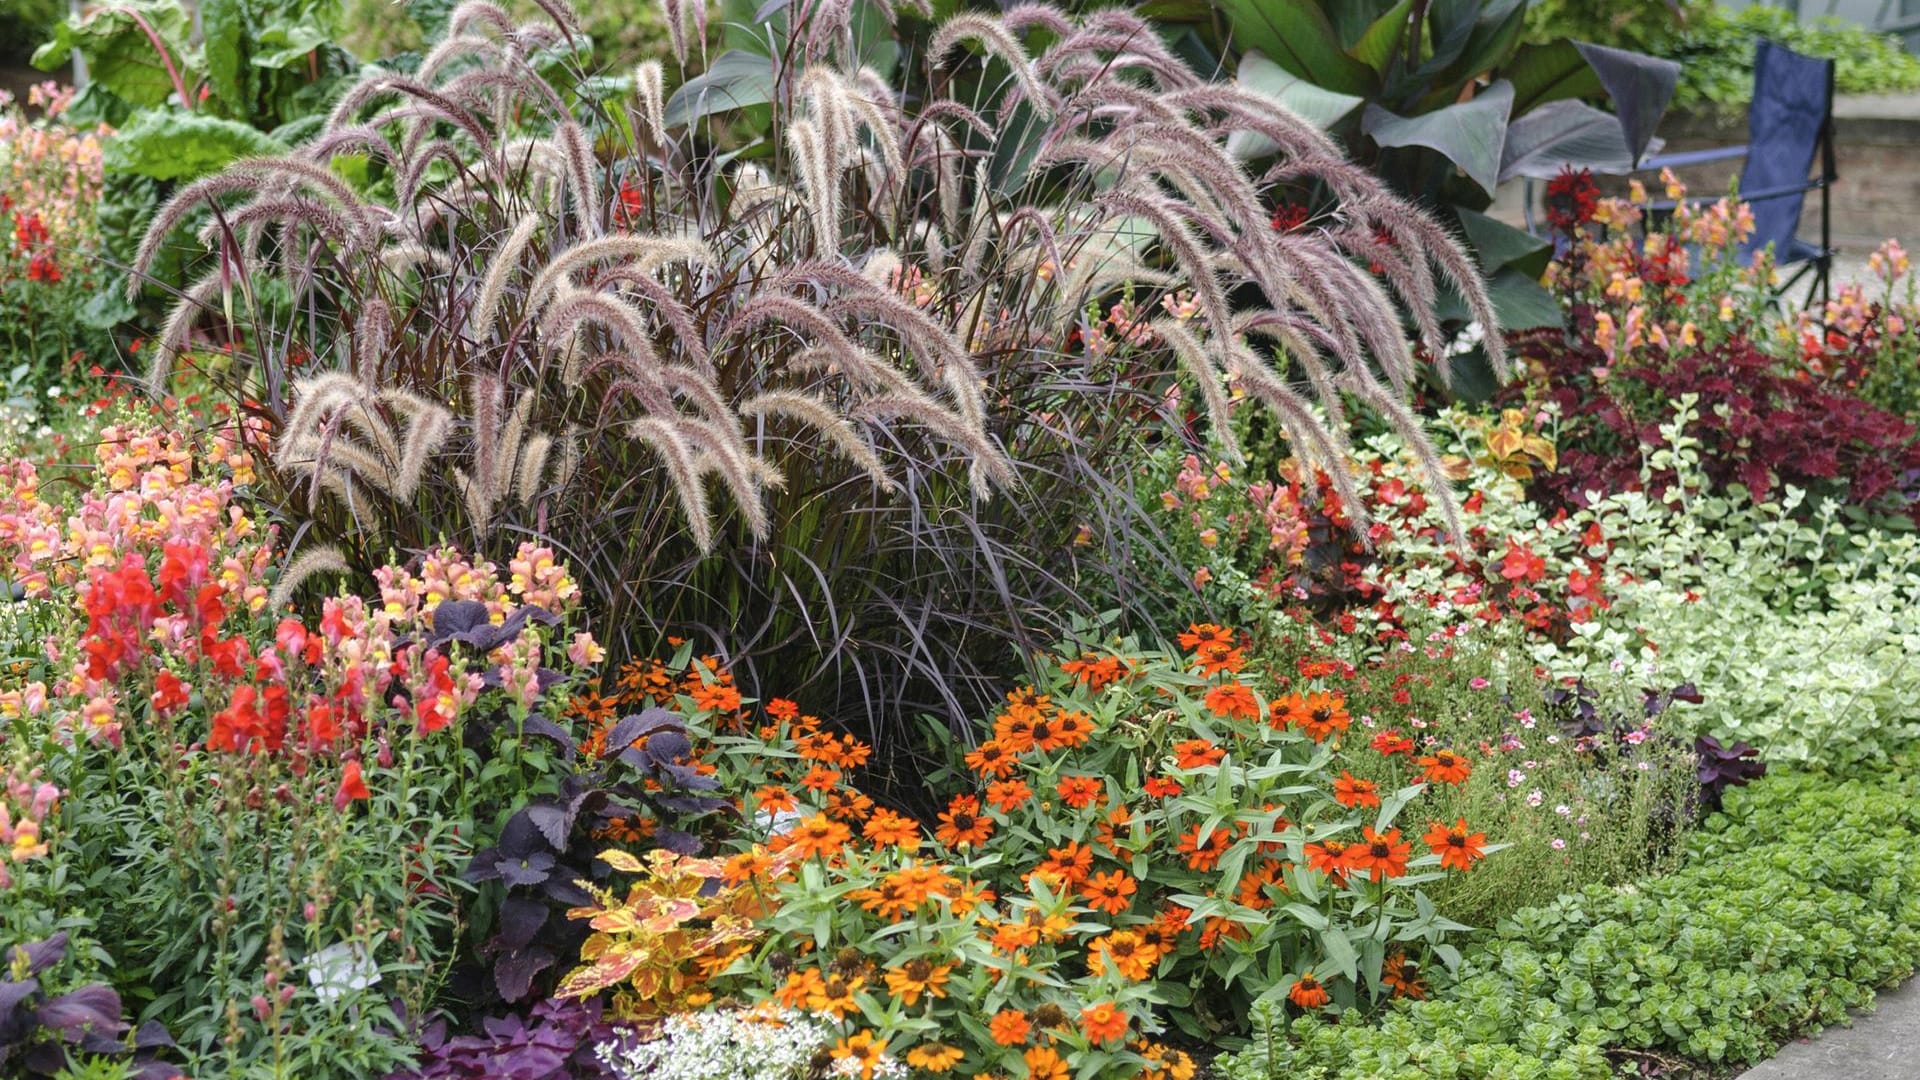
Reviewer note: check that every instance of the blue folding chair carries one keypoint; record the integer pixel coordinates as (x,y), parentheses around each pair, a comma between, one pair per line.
(1790,120)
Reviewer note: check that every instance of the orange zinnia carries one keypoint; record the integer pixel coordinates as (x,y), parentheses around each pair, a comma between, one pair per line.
(864,1050)
(1330,858)
(1197,754)
(1457,848)
(1379,855)
(1126,951)
(916,977)
(1103,1022)
(820,835)
(773,799)
(1445,767)
(801,987)
(1308,993)
(1070,729)
(1233,700)
(1213,648)
(1044,1063)
(1323,714)
(1255,883)
(1079,792)
(1068,865)
(991,758)
(1352,791)
(1109,891)
(1008,794)
(1009,1027)
(1204,854)
(935,1057)
(961,824)
(887,827)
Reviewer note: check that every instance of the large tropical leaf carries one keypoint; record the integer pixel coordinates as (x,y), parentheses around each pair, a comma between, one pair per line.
(168,145)
(120,55)
(1470,134)
(1543,73)
(1640,86)
(736,80)
(1383,38)
(1297,35)
(1322,107)
(1499,245)
(1565,134)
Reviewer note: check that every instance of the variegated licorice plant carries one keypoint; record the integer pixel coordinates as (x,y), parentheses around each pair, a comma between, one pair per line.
(796,387)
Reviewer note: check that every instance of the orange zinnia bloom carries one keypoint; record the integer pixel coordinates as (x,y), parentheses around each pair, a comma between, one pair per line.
(1402,976)
(1308,993)
(1196,754)
(991,758)
(1445,767)
(1080,792)
(1324,714)
(961,824)
(747,865)
(820,835)
(1233,700)
(1204,854)
(820,778)
(887,827)
(1008,794)
(1015,731)
(774,800)
(801,987)
(1109,891)
(782,709)
(916,977)
(1069,729)
(1352,791)
(1457,848)
(1330,858)
(866,1051)
(1103,1022)
(1255,883)
(1126,951)
(836,996)
(1213,648)
(1044,1063)
(1161,787)
(1068,865)
(935,1057)
(1379,855)
(1009,1027)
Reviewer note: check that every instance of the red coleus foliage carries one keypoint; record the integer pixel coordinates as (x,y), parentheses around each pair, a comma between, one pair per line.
(1757,426)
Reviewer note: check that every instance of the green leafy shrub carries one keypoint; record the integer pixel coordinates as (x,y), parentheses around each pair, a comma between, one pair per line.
(1714,44)
(1799,901)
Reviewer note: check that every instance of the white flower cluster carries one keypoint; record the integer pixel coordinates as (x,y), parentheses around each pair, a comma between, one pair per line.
(729,1044)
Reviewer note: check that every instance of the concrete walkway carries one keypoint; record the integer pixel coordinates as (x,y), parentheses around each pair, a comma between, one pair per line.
(1881,1045)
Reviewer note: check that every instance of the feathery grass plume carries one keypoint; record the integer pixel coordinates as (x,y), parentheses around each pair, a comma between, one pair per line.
(820,416)
(314,560)
(650,89)
(997,41)
(773,404)
(676,14)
